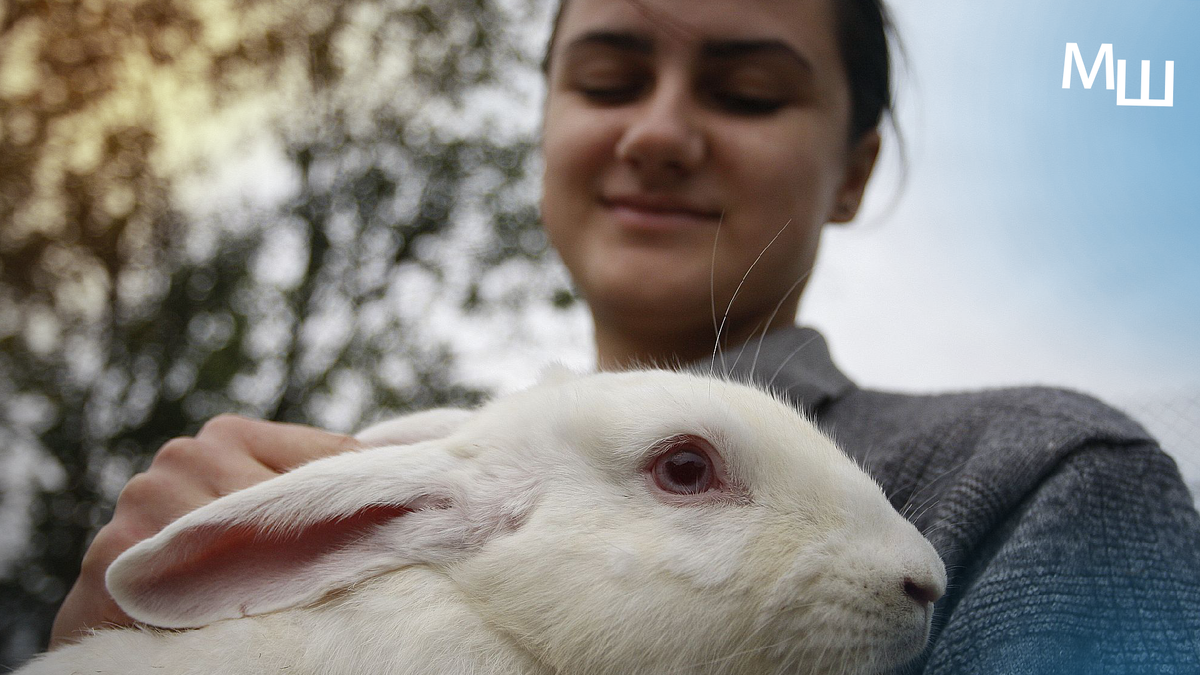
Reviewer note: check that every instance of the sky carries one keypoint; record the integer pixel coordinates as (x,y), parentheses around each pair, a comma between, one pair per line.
(1036,235)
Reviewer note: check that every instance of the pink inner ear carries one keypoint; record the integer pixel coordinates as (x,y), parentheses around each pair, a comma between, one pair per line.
(242,565)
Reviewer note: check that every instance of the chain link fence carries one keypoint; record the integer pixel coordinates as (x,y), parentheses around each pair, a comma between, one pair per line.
(1174,419)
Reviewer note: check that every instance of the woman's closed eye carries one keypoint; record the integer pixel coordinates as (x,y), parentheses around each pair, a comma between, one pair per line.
(747,104)
(611,91)
(606,75)
(747,92)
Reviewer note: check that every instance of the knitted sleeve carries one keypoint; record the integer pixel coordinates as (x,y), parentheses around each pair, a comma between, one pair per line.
(1096,571)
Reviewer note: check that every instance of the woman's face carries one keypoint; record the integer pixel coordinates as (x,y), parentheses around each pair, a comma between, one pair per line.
(667,118)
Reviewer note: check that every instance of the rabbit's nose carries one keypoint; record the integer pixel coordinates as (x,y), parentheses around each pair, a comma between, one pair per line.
(923,591)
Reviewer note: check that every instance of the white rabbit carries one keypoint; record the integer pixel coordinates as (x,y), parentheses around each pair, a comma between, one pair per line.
(639,522)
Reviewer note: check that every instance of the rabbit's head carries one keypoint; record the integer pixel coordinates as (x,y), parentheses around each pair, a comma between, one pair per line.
(634,522)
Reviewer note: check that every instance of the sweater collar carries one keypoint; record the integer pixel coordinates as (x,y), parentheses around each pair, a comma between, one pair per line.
(792,361)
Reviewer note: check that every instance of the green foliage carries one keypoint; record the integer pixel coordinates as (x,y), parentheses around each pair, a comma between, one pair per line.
(143,290)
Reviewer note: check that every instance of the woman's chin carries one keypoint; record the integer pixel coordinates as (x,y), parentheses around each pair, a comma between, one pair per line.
(653,302)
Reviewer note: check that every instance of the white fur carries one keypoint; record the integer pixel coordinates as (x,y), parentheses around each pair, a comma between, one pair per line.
(527,539)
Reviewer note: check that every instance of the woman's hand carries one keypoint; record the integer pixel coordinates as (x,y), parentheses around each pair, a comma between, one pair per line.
(229,453)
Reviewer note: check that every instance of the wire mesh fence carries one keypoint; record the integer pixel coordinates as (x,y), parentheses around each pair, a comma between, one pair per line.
(1174,419)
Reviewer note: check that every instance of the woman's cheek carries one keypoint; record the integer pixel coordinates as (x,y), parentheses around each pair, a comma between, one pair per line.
(798,190)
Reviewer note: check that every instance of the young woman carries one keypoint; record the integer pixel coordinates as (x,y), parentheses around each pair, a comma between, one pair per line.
(684,139)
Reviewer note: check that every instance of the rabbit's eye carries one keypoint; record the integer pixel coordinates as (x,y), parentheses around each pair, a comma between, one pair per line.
(684,469)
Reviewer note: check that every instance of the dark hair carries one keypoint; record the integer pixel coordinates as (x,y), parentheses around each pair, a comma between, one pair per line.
(863,28)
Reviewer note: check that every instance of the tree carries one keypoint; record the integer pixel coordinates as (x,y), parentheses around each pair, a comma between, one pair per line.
(143,290)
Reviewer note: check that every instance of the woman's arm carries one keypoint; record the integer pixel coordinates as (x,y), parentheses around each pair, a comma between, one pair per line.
(1097,571)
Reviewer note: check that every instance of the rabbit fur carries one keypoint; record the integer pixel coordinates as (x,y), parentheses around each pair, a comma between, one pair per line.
(533,536)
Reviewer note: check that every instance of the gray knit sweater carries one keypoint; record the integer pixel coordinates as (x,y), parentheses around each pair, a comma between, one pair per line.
(1071,541)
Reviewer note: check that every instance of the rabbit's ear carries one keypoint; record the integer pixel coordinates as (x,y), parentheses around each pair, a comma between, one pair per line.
(556,373)
(416,427)
(292,539)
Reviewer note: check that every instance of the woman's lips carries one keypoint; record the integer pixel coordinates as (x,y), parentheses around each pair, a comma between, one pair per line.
(659,214)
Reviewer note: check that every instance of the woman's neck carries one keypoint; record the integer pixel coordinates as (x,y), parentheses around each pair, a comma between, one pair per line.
(623,348)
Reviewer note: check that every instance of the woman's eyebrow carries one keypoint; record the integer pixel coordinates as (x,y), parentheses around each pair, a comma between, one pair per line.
(619,40)
(714,49)
(727,49)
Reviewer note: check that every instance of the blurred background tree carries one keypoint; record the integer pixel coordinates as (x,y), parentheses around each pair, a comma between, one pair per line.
(282,208)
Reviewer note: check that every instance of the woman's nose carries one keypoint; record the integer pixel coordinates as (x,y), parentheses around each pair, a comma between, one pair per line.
(663,141)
